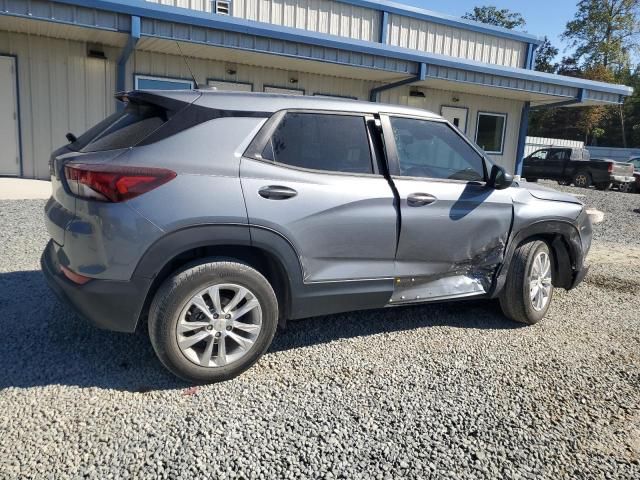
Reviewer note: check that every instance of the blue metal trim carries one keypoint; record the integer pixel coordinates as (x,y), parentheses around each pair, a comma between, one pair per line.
(531,56)
(138,7)
(384,27)
(422,75)
(579,99)
(17,80)
(129,47)
(522,137)
(221,22)
(504,131)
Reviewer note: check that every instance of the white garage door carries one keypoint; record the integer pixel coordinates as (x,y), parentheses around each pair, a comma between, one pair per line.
(10,151)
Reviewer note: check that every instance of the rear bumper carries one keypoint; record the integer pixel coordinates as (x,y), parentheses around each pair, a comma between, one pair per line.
(110,305)
(622,179)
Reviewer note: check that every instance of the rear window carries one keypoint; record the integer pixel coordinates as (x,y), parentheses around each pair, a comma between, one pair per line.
(123,129)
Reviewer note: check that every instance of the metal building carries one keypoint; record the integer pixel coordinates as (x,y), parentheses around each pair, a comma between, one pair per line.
(62,60)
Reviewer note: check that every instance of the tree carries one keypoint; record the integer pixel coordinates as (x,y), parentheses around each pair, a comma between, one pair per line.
(545,56)
(499,17)
(603,32)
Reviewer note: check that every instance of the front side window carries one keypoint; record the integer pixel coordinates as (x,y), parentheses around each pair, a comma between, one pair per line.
(433,149)
(490,132)
(539,155)
(337,143)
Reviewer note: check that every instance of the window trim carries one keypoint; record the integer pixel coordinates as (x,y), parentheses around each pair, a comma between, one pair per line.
(259,142)
(304,92)
(220,80)
(504,130)
(137,76)
(394,161)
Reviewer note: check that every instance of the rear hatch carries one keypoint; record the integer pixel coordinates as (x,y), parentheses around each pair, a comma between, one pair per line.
(143,115)
(622,169)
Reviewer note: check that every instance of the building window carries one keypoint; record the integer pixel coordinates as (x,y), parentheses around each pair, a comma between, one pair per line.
(286,91)
(221,7)
(490,132)
(147,82)
(225,86)
(336,143)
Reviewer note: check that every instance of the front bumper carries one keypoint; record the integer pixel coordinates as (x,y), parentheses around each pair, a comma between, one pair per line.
(110,305)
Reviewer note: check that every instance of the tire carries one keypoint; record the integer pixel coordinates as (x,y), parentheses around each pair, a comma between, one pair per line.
(515,299)
(625,187)
(564,183)
(244,341)
(582,179)
(604,186)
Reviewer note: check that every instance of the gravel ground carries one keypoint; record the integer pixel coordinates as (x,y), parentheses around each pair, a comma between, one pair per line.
(441,391)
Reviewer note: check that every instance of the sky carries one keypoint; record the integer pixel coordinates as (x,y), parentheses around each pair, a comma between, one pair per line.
(544,17)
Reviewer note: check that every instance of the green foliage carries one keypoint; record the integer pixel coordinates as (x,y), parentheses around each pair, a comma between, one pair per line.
(494,16)
(603,32)
(545,56)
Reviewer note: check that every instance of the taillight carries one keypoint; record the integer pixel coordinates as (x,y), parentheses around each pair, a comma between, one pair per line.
(113,183)
(610,167)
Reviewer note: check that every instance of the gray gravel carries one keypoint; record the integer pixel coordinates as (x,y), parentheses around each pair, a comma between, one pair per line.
(442,391)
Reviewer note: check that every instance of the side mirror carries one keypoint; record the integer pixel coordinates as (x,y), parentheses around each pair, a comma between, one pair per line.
(499,178)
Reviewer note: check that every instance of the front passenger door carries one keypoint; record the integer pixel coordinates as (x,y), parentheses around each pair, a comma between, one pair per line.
(453,226)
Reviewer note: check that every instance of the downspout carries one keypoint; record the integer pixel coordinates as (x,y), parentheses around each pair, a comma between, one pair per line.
(422,75)
(129,47)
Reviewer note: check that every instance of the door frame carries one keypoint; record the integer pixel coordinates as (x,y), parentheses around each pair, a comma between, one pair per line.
(18,116)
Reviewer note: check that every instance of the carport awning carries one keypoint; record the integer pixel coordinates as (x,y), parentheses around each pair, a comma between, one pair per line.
(215,36)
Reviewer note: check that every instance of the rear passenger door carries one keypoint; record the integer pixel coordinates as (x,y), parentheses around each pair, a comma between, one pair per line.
(313,177)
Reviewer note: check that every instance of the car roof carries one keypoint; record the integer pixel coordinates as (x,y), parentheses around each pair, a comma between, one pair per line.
(271,103)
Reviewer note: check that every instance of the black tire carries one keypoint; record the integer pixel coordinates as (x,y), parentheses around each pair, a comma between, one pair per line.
(515,298)
(171,299)
(603,186)
(582,179)
(625,187)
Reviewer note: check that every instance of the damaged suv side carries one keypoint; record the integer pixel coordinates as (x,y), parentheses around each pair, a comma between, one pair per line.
(220,215)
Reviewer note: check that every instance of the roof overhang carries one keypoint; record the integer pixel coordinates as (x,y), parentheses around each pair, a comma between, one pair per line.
(222,37)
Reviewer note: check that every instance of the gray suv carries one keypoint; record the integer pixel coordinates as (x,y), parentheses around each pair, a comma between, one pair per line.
(218,216)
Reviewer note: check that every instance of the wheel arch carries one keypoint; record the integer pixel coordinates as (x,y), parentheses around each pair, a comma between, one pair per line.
(563,240)
(271,254)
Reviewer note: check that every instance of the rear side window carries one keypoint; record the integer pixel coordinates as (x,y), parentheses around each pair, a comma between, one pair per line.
(123,129)
(337,143)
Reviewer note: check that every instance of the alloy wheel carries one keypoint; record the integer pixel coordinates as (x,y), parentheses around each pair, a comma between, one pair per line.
(219,325)
(540,281)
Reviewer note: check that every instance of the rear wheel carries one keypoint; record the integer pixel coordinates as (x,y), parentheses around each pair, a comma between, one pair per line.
(625,187)
(582,179)
(529,288)
(212,321)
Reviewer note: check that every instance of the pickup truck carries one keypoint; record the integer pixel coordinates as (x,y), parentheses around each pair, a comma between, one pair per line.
(575,166)
(635,187)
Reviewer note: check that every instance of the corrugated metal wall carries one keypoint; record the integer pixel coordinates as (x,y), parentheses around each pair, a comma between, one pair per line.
(324,16)
(161,64)
(455,42)
(435,99)
(61,90)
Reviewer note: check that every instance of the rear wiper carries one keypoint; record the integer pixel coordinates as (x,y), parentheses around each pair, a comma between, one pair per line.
(71,137)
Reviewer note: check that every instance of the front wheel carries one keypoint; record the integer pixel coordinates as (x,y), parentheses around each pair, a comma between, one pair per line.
(213,320)
(529,288)
(582,179)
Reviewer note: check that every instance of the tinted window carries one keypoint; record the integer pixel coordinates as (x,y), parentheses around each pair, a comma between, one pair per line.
(123,129)
(337,143)
(490,132)
(435,150)
(539,155)
(557,155)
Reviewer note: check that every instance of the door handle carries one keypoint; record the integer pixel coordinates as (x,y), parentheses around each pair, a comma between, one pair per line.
(277,192)
(420,199)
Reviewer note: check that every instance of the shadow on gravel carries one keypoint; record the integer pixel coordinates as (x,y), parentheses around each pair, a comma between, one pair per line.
(44,343)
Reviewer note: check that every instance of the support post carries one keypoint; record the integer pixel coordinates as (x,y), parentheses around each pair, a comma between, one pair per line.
(522,137)
(130,46)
